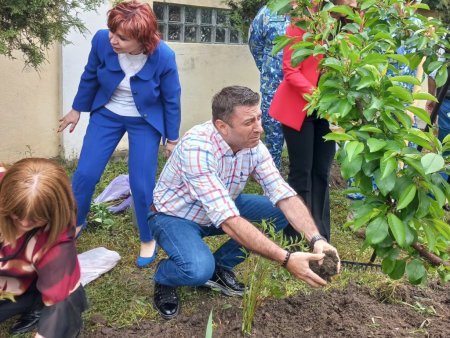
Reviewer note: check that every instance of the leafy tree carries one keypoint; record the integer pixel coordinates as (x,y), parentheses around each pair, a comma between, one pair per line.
(437,4)
(404,218)
(243,12)
(443,6)
(31,26)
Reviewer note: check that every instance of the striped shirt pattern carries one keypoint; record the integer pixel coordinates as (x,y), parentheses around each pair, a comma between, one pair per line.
(203,177)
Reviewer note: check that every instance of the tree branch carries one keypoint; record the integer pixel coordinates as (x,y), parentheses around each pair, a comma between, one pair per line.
(421,249)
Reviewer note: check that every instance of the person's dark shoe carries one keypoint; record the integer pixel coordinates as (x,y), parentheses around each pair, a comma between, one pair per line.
(166,301)
(26,322)
(225,281)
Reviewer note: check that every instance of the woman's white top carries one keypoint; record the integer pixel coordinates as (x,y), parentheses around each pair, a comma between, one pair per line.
(122,102)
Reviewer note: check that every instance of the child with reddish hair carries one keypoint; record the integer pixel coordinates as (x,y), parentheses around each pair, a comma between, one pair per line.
(39,267)
(130,84)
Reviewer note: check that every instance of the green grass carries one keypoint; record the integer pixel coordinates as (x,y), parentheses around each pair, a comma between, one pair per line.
(122,297)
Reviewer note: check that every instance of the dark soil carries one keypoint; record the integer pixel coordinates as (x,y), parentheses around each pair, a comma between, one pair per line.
(328,268)
(352,312)
(336,180)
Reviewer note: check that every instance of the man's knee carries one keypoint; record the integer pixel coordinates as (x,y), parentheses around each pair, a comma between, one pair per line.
(198,270)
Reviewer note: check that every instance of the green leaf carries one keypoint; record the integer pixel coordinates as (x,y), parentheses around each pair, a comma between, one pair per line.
(334,64)
(373,58)
(414,60)
(406,79)
(351,168)
(407,196)
(390,123)
(401,93)
(377,230)
(424,204)
(430,235)
(343,107)
(441,77)
(280,42)
(420,113)
(367,4)
(277,6)
(414,138)
(387,265)
(424,96)
(332,83)
(421,6)
(387,165)
(400,58)
(299,55)
(415,271)
(371,129)
(433,66)
(346,10)
(404,119)
(397,228)
(443,228)
(335,136)
(353,149)
(209,327)
(375,144)
(432,163)
(387,184)
(343,46)
(446,139)
(399,269)
(366,81)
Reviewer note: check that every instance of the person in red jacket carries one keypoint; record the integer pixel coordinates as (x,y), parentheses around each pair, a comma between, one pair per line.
(310,157)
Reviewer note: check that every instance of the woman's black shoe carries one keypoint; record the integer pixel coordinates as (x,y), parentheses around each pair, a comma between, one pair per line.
(26,322)
(166,301)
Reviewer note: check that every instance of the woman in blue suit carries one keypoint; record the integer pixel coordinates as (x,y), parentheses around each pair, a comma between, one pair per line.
(130,84)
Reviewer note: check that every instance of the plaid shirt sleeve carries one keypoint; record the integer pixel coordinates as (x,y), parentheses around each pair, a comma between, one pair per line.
(268,176)
(199,172)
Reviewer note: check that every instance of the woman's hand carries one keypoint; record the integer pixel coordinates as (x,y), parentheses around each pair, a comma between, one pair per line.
(169,147)
(71,118)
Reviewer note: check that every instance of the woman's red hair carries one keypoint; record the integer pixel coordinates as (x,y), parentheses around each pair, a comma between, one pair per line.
(137,21)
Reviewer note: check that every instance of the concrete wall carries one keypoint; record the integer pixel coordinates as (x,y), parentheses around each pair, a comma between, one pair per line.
(29,103)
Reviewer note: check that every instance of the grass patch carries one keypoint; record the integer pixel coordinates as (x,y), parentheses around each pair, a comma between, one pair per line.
(123,297)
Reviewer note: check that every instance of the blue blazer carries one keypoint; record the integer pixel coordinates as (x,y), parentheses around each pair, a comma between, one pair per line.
(156,87)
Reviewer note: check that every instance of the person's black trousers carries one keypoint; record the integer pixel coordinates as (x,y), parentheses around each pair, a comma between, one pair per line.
(29,301)
(310,158)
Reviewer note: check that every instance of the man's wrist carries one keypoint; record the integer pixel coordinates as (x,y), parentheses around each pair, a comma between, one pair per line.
(314,239)
(172,141)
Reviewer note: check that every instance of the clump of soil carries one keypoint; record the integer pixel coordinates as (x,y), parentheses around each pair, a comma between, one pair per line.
(328,268)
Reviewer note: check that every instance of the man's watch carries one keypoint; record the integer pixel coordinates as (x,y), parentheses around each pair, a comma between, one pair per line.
(316,238)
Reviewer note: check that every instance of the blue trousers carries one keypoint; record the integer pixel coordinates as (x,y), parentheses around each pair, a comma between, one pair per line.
(103,133)
(190,261)
(273,131)
(444,124)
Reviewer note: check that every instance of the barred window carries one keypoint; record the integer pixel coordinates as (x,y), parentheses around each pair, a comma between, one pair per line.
(195,24)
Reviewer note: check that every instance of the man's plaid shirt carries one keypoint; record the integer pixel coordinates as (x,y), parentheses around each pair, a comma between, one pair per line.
(203,177)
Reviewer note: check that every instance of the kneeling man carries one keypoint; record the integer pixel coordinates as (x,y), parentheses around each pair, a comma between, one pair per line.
(199,194)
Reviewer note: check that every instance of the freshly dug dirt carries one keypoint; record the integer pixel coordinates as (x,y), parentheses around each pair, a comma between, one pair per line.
(336,181)
(329,266)
(352,312)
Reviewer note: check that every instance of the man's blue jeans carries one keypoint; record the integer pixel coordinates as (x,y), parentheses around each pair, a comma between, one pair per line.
(444,124)
(191,262)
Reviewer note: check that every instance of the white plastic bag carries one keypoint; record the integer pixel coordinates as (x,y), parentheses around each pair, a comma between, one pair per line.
(96,262)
